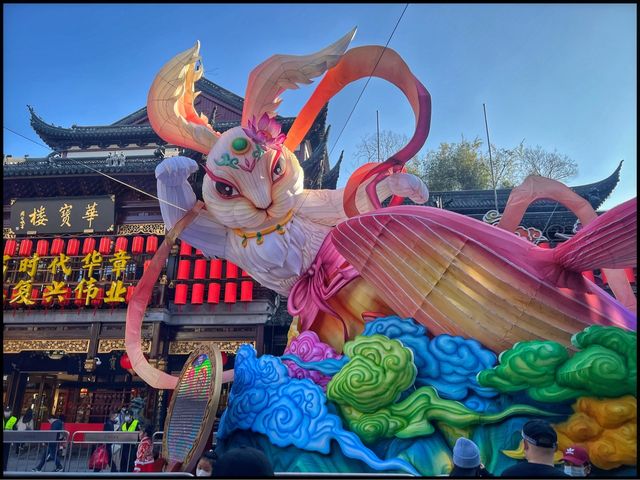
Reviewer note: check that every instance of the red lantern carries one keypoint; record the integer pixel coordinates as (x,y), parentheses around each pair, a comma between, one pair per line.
(35,295)
(57,246)
(79,301)
(130,290)
(230,292)
(214,293)
(104,247)
(42,248)
(224,358)
(88,246)
(46,301)
(181,294)
(199,253)
(152,244)
(26,246)
(232,270)
(544,245)
(73,247)
(603,277)
(197,294)
(200,269)
(630,275)
(185,249)
(184,268)
(589,275)
(215,269)
(96,302)
(121,244)
(246,291)
(10,247)
(125,361)
(245,273)
(67,298)
(137,245)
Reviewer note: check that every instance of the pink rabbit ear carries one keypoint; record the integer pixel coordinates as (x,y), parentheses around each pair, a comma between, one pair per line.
(170,104)
(281,72)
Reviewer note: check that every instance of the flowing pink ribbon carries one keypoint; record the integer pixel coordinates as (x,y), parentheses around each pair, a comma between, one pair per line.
(328,273)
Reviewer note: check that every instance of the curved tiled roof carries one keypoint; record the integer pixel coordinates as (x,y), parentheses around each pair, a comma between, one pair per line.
(36,167)
(467,201)
(60,138)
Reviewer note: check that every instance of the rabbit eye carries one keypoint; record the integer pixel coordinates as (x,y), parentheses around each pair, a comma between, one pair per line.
(226,190)
(278,170)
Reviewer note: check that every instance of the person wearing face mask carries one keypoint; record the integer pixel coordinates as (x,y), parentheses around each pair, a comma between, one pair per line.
(127,456)
(9,422)
(206,464)
(576,461)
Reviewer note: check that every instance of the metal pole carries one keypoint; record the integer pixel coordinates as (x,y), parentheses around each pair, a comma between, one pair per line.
(378,133)
(493,180)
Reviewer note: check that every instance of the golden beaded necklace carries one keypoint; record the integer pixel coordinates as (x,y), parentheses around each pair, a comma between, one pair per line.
(259,236)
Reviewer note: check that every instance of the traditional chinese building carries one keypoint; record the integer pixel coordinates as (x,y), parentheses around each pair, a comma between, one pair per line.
(75,244)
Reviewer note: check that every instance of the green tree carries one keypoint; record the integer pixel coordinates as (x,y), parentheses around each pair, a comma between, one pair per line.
(456,166)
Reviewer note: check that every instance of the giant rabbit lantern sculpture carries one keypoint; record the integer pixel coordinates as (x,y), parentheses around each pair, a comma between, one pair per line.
(341,258)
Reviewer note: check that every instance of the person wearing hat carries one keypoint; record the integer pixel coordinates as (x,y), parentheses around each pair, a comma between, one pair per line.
(243,462)
(576,461)
(466,460)
(127,456)
(540,444)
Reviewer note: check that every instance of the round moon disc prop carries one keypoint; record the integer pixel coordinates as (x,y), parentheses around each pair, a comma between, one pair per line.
(193,407)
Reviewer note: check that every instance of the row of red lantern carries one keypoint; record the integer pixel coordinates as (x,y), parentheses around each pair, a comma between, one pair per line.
(80,301)
(200,269)
(88,246)
(213,293)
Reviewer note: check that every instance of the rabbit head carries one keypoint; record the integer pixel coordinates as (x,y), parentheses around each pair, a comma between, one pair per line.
(251,183)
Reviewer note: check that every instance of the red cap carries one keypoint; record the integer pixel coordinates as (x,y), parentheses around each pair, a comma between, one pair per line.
(576,455)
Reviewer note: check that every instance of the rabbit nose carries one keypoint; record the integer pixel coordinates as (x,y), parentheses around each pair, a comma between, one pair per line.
(267,208)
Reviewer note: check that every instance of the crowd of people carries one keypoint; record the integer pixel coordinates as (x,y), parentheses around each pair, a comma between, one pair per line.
(540,445)
(539,439)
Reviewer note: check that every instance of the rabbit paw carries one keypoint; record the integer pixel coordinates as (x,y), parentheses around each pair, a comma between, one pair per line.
(174,170)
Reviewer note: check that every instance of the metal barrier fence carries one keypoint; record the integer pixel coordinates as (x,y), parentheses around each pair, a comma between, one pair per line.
(157,439)
(74,454)
(26,450)
(96,475)
(122,448)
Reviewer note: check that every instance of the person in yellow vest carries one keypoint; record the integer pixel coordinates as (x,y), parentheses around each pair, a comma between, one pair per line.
(9,422)
(128,456)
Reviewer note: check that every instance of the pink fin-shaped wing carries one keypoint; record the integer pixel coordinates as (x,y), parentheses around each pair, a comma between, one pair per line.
(456,280)
(609,241)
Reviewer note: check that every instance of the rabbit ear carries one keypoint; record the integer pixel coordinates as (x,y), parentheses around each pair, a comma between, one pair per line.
(281,72)
(170,104)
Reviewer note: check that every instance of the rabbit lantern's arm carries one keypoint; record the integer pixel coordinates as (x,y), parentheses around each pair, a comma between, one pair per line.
(174,191)
(327,206)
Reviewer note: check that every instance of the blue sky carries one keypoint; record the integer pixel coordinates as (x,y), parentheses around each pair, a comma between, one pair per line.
(560,76)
